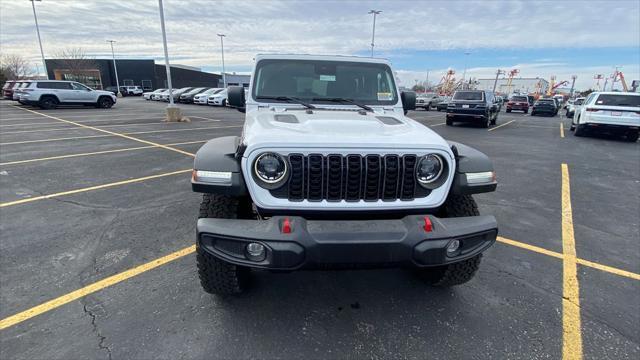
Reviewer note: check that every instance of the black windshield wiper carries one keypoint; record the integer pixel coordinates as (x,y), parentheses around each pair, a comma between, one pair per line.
(287,99)
(345,101)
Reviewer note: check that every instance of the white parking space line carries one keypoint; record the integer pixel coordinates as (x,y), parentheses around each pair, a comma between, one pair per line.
(200,117)
(499,126)
(437,124)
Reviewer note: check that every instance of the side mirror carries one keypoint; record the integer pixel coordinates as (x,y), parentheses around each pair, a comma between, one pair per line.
(235,97)
(408,100)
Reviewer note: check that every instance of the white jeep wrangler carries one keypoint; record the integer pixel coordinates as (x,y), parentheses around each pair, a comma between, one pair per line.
(329,173)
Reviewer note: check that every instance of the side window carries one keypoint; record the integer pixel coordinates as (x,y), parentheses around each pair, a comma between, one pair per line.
(62,85)
(77,86)
(44,85)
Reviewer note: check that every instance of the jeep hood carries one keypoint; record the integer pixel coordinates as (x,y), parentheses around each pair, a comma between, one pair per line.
(335,128)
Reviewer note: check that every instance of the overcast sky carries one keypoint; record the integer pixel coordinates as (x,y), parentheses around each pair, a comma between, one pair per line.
(540,38)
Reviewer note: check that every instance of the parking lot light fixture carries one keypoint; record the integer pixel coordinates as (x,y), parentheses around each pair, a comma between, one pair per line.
(373,33)
(35,17)
(115,68)
(224,77)
(173,112)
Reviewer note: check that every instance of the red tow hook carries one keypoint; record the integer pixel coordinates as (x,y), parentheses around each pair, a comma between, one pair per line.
(286,226)
(428,226)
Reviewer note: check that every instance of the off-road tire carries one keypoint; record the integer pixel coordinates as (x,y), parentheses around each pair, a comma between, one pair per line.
(217,276)
(463,271)
(48,103)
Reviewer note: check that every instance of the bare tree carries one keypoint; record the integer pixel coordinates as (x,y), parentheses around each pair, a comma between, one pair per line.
(76,63)
(15,67)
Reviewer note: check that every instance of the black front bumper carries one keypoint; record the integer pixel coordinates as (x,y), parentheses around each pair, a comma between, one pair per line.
(347,244)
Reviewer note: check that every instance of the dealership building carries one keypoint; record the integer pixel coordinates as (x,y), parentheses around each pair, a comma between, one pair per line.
(100,73)
(518,85)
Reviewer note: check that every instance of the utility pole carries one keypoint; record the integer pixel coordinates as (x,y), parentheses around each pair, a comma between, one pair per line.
(464,73)
(495,83)
(35,17)
(224,76)
(115,68)
(173,112)
(373,34)
(614,76)
(426,84)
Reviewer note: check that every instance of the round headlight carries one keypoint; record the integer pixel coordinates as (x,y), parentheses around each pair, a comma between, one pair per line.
(429,169)
(270,168)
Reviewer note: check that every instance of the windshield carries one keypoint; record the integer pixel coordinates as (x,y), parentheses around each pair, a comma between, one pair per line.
(368,83)
(618,100)
(546,102)
(519,98)
(468,95)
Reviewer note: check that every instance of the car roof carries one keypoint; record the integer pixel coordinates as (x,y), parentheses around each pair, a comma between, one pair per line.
(615,93)
(321,58)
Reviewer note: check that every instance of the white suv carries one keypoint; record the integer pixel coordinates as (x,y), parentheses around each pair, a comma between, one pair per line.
(134,90)
(616,112)
(48,94)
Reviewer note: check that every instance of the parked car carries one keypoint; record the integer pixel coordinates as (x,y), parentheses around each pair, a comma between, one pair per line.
(175,94)
(475,106)
(532,100)
(7,89)
(544,106)
(114,90)
(17,89)
(574,106)
(203,97)
(133,90)
(427,101)
(188,96)
(613,112)
(48,94)
(444,102)
(518,103)
(267,191)
(158,96)
(147,95)
(218,99)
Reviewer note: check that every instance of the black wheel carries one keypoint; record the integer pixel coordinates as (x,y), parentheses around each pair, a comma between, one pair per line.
(580,131)
(495,119)
(449,122)
(508,110)
(525,111)
(533,113)
(463,271)
(217,276)
(487,123)
(438,109)
(224,102)
(48,102)
(104,102)
(632,136)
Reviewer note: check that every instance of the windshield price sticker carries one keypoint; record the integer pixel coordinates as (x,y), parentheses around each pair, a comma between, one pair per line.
(327,78)
(385,96)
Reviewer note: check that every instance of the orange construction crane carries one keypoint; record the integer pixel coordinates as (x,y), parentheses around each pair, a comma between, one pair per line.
(447,84)
(512,73)
(553,86)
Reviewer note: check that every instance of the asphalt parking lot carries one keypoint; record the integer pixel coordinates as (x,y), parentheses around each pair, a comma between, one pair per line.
(97,232)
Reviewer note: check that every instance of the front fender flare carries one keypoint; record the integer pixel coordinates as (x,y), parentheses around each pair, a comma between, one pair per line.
(470,160)
(219,155)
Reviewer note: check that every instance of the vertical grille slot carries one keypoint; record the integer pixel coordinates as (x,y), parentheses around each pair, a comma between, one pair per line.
(354,175)
(315,171)
(408,177)
(334,177)
(372,177)
(296,181)
(391,178)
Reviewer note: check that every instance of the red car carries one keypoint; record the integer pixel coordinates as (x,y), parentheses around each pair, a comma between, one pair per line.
(7,89)
(517,102)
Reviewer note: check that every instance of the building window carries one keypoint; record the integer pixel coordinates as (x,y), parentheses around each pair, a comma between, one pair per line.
(89,77)
(147,85)
(127,82)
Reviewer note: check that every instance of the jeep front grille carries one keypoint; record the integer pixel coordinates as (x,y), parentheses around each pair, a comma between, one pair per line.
(352,177)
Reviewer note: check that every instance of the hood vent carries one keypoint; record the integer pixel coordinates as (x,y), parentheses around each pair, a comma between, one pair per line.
(388,120)
(286,118)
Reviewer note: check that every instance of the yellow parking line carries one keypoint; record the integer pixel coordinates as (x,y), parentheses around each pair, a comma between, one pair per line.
(90,289)
(561,130)
(95,153)
(127,274)
(499,126)
(608,269)
(129,133)
(90,188)
(111,132)
(571,323)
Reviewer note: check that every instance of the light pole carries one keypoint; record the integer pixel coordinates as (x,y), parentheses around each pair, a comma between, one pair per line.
(173,112)
(426,84)
(35,17)
(115,68)
(464,73)
(495,83)
(373,33)
(224,77)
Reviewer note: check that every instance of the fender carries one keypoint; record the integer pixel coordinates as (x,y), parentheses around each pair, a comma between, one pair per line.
(219,155)
(470,160)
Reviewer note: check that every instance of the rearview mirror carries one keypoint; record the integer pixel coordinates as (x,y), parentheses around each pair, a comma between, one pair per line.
(408,100)
(235,96)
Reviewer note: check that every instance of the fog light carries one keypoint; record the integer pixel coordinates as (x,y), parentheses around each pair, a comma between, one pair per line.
(453,246)
(255,252)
